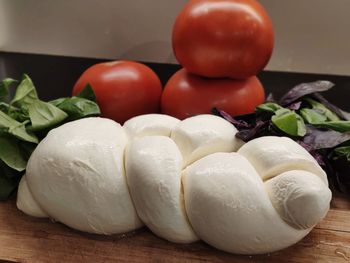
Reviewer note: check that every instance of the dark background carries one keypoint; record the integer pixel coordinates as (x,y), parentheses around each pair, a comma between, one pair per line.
(54,76)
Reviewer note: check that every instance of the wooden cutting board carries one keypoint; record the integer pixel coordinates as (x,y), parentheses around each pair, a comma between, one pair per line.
(27,239)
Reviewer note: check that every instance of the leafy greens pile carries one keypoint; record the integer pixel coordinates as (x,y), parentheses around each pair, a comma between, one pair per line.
(304,115)
(25,120)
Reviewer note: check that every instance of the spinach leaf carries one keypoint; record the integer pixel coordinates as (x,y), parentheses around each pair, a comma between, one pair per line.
(11,154)
(25,94)
(10,126)
(4,87)
(289,122)
(305,89)
(44,115)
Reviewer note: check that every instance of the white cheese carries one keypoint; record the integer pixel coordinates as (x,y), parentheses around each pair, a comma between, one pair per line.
(77,176)
(150,124)
(153,169)
(26,202)
(228,207)
(300,197)
(272,155)
(201,135)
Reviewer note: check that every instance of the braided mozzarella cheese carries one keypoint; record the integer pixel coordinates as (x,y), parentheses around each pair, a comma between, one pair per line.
(183,180)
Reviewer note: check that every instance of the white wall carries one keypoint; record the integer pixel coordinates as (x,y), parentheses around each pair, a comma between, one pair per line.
(311,36)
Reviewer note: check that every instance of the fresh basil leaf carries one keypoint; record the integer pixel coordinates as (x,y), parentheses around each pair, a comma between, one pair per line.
(59,101)
(312,116)
(289,122)
(44,115)
(87,93)
(15,128)
(340,126)
(25,94)
(346,115)
(7,186)
(295,105)
(324,139)
(340,113)
(269,107)
(239,124)
(78,108)
(11,155)
(342,152)
(322,109)
(19,114)
(4,107)
(27,149)
(286,121)
(270,98)
(4,87)
(305,89)
(301,126)
(10,126)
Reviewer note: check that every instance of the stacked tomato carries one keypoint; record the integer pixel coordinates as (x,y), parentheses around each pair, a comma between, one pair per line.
(222,45)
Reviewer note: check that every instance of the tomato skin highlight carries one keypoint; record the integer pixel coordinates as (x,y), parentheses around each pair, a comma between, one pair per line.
(123,89)
(223,38)
(187,95)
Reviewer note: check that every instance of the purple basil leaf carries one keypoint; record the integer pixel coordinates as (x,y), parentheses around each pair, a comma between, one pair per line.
(270,98)
(324,139)
(341,114)
(249,134)
(346,115)
(295,106)
(318,156)
(239,124)
(305,89)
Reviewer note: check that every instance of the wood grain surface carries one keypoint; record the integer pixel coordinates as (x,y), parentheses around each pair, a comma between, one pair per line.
(27,239)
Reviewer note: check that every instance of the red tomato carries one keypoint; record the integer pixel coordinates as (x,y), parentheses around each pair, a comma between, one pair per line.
(123,89)
(186,95)
(223,38)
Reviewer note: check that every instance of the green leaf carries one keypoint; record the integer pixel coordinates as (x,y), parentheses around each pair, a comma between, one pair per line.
(7,184)
(44,115)
(289,122)
(270,107)
(25,94)
(4,107)
(340,126)
(4,87)
(19,114)
(301,126)
(11,154)
(87,93)
(10,126)
(343,152)
(312,116)
(77,107)
(59,101)
(323,110)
